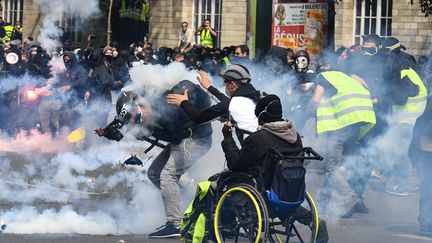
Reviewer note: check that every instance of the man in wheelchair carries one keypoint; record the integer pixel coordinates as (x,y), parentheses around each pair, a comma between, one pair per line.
(257,181)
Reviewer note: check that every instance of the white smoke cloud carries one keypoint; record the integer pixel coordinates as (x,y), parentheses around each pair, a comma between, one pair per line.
(103,197)
(54,11)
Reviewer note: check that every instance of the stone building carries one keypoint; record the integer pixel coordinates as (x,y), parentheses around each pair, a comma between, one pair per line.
(234,20)
(387,18)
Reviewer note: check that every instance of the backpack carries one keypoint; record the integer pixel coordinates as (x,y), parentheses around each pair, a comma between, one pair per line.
(287,187)
(196,224)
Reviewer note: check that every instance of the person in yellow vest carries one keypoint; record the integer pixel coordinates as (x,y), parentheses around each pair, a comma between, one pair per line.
(206,34)
(404,115)
(8,28)
(344,113)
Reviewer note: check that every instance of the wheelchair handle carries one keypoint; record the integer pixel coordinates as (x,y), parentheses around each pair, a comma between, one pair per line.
(307,150)
(316,156)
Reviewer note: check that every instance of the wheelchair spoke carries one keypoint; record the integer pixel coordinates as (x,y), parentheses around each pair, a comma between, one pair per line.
(297,233)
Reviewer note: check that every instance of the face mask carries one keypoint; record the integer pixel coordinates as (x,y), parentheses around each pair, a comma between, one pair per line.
(33,53)
(68,64)
(108,58)
(139,49)
(115,53)
(301,63)
(369,51)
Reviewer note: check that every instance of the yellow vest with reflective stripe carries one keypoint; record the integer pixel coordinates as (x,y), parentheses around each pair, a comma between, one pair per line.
(352,104)
(206,39)
(415,105)
(8,29)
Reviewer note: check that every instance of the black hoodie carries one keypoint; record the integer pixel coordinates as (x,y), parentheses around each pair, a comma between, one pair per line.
(75,76)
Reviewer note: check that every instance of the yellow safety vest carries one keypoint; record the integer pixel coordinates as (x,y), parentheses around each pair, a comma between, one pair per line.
(206,39)
(227,61)
(352,104)
(415,105)
(8,29)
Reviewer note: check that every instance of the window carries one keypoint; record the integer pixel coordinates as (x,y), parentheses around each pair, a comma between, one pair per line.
(13,10)
(208,9)
(373,16)
(71,26)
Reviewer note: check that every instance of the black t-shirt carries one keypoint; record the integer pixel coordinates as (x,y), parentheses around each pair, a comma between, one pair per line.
(330,90)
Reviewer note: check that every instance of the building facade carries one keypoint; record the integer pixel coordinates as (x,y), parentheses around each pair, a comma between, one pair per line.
(396,18)
(232,21)
(229,19)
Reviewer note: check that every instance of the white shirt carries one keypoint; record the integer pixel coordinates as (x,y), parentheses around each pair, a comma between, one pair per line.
(242,110)
(185,37)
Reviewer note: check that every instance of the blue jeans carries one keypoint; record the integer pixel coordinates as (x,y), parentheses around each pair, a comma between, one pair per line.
(170,165)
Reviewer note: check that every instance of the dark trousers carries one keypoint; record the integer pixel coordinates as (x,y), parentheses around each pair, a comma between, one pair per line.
(424,173)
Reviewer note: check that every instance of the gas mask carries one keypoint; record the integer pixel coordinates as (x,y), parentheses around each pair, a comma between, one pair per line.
(301,64)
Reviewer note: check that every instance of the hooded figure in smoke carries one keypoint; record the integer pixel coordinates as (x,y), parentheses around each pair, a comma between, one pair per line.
(75,76)
(277,59)
(37,63)
(187,142)
(102,77)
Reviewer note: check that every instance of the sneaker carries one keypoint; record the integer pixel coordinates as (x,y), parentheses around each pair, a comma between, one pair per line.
(360,207)
(398,191)
(166,231)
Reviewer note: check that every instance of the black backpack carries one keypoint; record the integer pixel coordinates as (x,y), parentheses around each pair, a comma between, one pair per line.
(286,187)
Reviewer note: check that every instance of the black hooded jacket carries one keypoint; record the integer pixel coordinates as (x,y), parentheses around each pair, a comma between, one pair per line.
(253,154)
(75,76)
(102,79)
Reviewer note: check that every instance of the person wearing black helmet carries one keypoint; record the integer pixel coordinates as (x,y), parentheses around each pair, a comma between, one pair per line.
(239,106)
(408,101)
(187,142)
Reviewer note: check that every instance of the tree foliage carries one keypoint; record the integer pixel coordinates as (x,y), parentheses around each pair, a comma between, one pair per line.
(426,6)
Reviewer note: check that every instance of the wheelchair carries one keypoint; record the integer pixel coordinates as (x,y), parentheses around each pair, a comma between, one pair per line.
(245,212)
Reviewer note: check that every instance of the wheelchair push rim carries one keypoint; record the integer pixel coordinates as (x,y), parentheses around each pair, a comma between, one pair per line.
(295,228)
(257,232)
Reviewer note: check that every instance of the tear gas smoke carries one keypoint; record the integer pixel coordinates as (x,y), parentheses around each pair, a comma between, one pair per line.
(54,11)
(37,169)
(103,197)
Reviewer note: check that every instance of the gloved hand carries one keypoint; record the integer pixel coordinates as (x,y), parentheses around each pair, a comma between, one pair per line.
(227,130)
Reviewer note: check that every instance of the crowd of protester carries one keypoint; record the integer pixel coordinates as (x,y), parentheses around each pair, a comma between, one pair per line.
(92,73)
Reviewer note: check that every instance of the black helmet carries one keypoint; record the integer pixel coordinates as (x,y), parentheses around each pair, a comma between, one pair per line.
(302,53)
(124,105)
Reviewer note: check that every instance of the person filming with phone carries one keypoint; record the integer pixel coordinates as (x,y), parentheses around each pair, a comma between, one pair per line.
(207,34)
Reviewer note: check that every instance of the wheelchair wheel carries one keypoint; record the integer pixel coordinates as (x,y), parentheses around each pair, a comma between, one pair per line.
(300,225)
(241,214)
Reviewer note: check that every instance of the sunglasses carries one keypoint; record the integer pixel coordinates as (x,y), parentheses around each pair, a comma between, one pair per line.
(184,26)
(237,53)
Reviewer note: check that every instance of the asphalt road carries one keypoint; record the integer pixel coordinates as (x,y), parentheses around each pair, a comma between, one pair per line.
(391,219)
